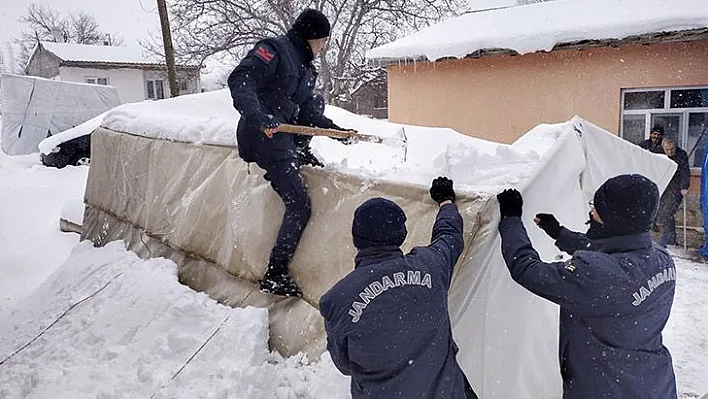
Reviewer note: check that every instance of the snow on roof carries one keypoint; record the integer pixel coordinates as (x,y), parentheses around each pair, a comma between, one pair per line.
(98,53)
(540,26)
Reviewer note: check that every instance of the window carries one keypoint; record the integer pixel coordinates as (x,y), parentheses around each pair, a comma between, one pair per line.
(183,86)
(155,89)
(682,112)
(96,80)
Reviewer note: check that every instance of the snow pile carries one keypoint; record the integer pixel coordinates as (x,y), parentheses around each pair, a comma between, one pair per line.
(540,26)
(479,165)
(107,316)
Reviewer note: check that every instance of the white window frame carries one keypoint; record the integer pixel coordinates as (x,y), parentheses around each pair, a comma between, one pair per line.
(154,88)
(93,80)
(683,137)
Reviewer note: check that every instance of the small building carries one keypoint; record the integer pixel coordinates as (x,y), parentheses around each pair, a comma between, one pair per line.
(370,99)
(135,76)
(625,65)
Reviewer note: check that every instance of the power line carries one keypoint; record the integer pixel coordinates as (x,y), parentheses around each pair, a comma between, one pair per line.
(143,7)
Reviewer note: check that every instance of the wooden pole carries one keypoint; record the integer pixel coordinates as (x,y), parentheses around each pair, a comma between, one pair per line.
(169,50)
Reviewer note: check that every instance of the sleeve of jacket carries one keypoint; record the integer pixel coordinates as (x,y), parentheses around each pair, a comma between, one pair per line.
(570,241)
(336,343)
(446,239)
(684,169)
(571,284)
(254,71)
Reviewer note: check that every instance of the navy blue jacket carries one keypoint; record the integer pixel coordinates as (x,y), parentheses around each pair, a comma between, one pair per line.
(387,322)
(275,78)
(615,299)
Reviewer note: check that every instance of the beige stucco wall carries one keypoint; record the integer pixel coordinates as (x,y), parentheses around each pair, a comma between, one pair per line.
(500,98)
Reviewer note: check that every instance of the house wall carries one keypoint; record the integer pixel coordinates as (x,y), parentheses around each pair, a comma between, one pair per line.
(128,82)
(500,98)
(43,64)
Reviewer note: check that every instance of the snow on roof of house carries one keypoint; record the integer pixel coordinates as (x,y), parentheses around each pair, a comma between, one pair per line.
(99,53)
(541,26)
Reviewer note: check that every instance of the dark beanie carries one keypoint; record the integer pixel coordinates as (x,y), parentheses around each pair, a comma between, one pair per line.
(311,24)
(627,204)
(379,222)
(658,129)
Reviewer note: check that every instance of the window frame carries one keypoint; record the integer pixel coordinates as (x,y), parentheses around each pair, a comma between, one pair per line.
(154,89)
(95,80)
(647,113)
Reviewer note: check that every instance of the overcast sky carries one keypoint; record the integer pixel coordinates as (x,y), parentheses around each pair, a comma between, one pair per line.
(128,18)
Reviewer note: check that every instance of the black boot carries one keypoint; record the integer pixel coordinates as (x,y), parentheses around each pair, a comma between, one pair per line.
(277,281)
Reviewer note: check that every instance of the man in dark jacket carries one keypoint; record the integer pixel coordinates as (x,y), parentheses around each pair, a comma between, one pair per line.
(273,84)
(387,321)
(653,143)
(615,293)
(675,191)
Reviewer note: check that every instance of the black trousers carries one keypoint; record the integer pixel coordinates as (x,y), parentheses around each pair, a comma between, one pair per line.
(286,181)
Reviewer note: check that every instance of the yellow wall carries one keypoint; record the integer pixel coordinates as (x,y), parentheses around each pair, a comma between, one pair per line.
(500,98)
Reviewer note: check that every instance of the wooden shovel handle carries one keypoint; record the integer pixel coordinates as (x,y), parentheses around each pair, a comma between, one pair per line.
(318,131)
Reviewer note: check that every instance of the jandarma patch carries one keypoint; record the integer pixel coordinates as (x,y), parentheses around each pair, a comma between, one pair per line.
(569,266)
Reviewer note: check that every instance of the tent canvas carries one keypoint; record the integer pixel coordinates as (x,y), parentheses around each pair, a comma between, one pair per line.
(33,109)
(216,217)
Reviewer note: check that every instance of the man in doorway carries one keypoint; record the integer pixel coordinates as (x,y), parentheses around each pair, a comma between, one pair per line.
(653,143)
(675,192)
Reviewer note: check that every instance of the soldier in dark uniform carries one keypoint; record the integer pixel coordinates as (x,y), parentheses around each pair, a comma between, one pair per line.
(387,321)
(615,293)
(274,84)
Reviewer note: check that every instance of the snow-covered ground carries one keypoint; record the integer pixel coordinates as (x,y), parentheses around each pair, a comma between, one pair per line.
(84,322)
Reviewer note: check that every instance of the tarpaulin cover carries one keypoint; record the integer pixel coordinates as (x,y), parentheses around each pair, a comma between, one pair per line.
(33,109)
(203,207)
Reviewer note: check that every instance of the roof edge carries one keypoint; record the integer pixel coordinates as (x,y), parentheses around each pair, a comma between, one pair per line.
(647,38)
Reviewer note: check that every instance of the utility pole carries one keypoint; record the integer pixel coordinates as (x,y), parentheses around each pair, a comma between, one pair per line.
(169,51)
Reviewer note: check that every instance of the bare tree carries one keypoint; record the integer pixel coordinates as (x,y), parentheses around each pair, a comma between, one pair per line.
(214,28)
(47,24)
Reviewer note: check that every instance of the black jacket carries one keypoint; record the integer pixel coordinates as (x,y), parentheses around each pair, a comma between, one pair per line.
(275,78)
(682,178)
(649,145)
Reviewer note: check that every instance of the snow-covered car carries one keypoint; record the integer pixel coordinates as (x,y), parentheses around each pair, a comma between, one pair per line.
(70,147)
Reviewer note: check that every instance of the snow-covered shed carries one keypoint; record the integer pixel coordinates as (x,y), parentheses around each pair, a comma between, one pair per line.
(165,178)
(626,65)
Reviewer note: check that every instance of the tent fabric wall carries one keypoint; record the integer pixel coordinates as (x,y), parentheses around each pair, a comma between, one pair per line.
(34,108)
(201,206)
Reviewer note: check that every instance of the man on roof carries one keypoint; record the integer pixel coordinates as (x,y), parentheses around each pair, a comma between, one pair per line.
(274,84)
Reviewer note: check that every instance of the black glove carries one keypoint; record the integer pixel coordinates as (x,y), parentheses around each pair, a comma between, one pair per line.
(510,202)
(264,121)
(441,190)
(306,157)
(346,140)
(549,224)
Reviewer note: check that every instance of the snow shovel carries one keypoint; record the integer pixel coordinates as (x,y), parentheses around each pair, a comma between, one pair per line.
(396,142)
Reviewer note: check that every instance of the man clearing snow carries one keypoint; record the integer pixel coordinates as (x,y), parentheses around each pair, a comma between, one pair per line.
(615,293)
(272,85)
(387,322)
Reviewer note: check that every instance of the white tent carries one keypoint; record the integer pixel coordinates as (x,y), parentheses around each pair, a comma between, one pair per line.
(34,108)
(216,217)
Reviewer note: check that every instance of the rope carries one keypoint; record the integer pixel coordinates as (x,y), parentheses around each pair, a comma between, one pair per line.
(57,320)
(193,356)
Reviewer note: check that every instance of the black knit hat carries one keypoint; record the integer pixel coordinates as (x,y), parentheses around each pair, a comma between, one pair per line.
(379,222)
(311,24)
(658,129)
(627,204)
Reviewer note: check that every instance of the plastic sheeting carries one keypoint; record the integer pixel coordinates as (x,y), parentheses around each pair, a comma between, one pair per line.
(201,206)
(34,108)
